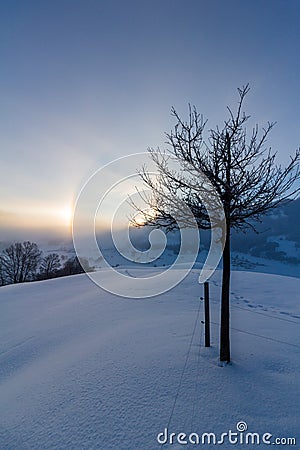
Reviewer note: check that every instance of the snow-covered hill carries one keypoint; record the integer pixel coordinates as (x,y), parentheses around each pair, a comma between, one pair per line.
(83,369)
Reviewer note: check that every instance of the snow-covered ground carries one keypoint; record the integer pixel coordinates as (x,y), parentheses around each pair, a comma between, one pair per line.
(84,369)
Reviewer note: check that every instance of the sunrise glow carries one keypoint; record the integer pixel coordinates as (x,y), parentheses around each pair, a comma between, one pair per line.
(65,215)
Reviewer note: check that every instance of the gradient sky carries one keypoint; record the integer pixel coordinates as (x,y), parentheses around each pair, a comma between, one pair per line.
(84,82)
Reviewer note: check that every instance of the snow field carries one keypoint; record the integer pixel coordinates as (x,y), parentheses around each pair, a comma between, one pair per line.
(83,369)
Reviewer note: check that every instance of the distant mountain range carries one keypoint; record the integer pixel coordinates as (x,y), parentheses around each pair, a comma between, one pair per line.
(278,238)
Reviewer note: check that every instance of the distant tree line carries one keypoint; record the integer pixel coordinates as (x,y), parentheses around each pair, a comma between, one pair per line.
(23,262)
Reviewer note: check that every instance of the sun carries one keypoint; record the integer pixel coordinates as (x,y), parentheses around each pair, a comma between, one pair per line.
(66,215)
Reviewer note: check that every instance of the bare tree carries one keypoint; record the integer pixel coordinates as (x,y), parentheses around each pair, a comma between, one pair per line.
(74,266)
(19,262)
(242,171)
(2,275)
(50,265)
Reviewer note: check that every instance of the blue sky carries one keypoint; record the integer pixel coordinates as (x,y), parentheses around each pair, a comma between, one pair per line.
(84,82)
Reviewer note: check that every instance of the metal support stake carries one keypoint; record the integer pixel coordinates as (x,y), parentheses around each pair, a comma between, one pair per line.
(206,314)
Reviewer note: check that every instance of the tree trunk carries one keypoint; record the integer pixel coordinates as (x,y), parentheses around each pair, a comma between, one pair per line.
(224,330)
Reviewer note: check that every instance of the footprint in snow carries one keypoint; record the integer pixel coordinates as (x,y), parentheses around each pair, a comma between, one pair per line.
(288,314)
